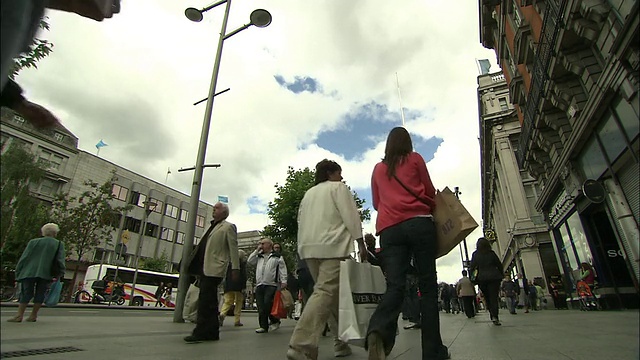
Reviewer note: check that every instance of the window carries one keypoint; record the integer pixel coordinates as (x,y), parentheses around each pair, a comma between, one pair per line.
(611,137)
(58,136)
(50,159)
(592,160)
(200,221)
(171,211)
(517,18)
(166,234)
(97,256)
(151,230)
(49,187)
(184,215)
(159,205)
(120,192)
(138,199)
(503,103)
(180,238)
(196,240)
(132,224)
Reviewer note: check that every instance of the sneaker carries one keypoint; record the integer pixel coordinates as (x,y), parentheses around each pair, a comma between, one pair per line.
(238,324)
(445,354)
(376,347)
(411,326)
(191,339)
(293,354)
(496,322)
(341,349)
(261,331)
(274,326)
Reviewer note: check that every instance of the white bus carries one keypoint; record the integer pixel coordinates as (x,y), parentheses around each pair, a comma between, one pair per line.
(147,283)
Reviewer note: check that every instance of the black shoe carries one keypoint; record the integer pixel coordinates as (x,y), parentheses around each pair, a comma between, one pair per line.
(192,339)
(444,353)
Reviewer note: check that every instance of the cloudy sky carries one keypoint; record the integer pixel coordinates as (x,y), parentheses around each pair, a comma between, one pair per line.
(319,82)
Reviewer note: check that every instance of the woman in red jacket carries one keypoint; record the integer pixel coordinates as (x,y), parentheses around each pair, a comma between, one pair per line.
(404,196)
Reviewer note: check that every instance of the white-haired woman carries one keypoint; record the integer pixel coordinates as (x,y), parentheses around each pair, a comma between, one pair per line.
(33,271)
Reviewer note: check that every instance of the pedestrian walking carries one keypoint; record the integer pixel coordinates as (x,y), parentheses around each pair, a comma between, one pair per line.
(271,274)
(509,289)
(158,295)
(209,261)
(533,296)
(466,291)
(403,195)
(328,224)
(233,297)
(41,261)
(489,268)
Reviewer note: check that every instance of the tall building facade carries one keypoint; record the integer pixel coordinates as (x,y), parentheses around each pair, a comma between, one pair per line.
(165,223)
(516,229)
(572,70)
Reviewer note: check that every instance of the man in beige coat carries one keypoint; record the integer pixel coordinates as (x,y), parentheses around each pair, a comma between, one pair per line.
(209,262)
(467,292)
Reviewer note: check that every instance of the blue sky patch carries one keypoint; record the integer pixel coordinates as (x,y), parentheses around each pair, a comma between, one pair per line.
(300,84)
(256,206)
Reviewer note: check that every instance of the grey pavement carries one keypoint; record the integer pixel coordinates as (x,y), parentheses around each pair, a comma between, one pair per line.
(143,334)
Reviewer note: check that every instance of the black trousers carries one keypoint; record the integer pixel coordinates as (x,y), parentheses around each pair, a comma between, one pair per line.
(264,299)
(414,237)
(207,325)
(491,290)
(468,304)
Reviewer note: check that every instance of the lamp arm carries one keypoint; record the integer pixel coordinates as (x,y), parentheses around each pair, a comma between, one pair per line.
(213,5)
(226,36)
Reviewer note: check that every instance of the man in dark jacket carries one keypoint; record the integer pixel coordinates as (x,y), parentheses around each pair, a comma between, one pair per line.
(233,296)
(509,289)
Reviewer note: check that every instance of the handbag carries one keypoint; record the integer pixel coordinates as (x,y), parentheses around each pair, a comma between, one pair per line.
(277,309)
(53,296)
(287,298)
(453,221)
(56,271)
(362,286)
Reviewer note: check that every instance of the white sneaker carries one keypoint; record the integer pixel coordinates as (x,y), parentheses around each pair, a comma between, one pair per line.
(261,331)
(274,326)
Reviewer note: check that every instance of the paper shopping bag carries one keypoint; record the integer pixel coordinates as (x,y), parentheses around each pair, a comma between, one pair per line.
(362,286)
(453,221)
(278,309)
(190,310)
(287,299)
(53,295)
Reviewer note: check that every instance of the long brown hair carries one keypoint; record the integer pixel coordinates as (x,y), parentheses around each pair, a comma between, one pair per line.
(399,145)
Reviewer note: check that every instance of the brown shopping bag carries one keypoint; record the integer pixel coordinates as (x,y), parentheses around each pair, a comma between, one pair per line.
(453,221)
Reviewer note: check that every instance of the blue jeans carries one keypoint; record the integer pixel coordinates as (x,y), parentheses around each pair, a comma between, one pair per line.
(415,238)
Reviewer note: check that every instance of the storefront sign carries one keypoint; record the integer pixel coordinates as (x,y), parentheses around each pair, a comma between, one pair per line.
(593,190)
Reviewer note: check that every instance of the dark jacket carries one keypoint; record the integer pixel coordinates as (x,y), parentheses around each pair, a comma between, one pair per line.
(241,283)
(488,265)
(509,288)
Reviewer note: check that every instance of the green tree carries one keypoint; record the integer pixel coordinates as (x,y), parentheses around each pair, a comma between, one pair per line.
(156,264)
(22,215)
(38,50)
(283,211)
(87,220)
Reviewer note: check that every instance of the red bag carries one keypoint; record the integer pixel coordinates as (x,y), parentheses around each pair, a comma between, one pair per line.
(278,310)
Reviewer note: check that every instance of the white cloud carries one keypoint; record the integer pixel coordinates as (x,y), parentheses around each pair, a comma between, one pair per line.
(131,80)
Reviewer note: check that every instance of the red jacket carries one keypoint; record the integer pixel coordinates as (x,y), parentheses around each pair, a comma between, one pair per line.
(393,202)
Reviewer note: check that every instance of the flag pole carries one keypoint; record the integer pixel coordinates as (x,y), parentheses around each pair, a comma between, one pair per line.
(167,178)
(400,98)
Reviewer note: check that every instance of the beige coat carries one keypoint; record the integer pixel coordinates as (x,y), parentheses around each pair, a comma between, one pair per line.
(222,246)
(465,287)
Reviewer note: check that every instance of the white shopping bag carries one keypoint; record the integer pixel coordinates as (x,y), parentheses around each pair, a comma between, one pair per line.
(297,312)
(190,310)
(362,286)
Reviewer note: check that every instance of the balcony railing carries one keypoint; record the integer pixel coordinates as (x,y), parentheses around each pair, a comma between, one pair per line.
(553,22)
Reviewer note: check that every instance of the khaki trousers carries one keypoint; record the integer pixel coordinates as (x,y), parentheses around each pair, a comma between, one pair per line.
(231,298)
(322,306)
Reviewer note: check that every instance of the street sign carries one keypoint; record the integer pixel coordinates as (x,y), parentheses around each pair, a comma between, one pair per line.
(126,236)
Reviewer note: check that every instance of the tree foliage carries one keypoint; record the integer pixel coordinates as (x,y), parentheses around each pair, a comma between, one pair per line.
(38,50)
(283,211)
(85,221)
(156,264)
(22,215)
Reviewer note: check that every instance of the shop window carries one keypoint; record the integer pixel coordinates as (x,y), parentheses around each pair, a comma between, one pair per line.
(120,192)
(579,239)
(611,137)
(628,118)
(568,253)
(592,160)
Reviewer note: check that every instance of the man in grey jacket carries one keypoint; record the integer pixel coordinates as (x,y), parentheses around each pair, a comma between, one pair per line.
(271,273)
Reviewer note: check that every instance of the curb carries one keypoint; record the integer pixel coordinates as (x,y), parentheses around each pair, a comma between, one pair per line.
(105,306)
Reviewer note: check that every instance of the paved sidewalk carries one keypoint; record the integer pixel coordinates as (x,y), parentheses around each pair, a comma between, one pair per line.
(143,334)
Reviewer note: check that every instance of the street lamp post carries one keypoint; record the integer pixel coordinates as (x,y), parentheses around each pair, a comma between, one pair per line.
(149,206)
(259,18)
(457,192)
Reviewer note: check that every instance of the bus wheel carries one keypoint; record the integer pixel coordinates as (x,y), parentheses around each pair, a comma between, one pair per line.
(137,301)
